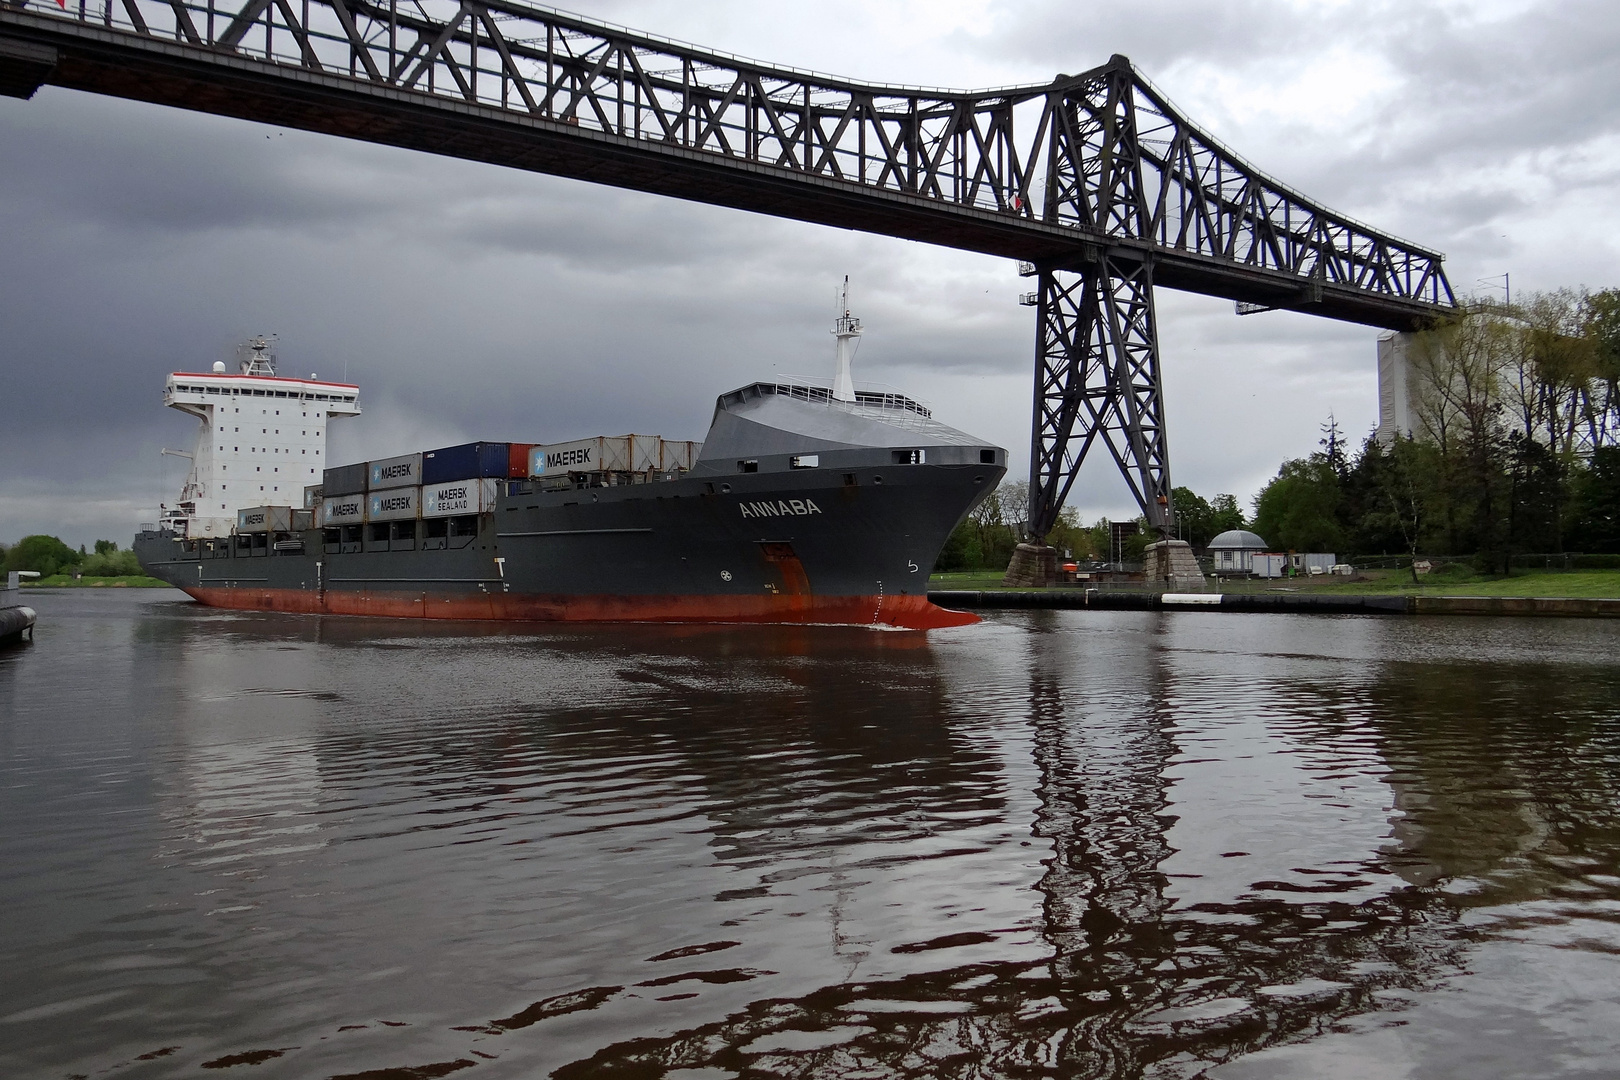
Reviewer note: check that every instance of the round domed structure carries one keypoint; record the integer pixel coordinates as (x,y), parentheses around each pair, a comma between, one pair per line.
(1233,551)
(1237,539)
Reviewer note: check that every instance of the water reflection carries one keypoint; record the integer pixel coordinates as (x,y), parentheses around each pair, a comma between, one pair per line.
(1058,844)
(1132,985)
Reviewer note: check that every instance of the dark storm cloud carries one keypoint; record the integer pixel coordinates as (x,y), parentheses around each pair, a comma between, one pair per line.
(1472,111)
(477,302)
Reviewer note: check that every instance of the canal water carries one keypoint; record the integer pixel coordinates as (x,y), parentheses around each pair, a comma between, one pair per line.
(1078,844)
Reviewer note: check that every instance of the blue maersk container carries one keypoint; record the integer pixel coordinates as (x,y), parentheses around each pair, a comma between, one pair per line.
(464,462)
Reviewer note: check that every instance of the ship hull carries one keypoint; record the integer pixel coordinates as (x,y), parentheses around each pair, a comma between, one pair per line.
(895,612)
(852,546)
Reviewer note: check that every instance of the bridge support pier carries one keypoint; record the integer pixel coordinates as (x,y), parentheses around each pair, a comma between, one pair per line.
(1097,381)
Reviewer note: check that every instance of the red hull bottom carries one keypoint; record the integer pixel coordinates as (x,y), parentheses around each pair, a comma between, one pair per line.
(902,612)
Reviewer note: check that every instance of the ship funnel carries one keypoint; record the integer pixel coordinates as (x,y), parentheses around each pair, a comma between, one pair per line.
(847,329)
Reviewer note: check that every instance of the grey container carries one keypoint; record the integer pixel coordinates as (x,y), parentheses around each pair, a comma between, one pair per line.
(394,504)
(402,471)
(345,479)
(343,510)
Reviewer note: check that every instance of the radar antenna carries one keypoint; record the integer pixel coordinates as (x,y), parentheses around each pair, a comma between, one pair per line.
(256,356)
(847,329)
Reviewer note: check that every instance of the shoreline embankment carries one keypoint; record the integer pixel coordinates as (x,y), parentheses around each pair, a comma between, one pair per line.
(1276,603)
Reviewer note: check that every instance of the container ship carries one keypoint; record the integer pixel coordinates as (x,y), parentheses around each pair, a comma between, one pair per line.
(804,503)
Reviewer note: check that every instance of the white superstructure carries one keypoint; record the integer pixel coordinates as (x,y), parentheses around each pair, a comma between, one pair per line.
(261,441)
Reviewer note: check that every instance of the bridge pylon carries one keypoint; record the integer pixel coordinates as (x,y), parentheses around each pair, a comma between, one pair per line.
(1097,381)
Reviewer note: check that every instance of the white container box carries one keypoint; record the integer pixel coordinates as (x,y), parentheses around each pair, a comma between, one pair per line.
(459,497)
(613,453)
(256,519)
(1268,566)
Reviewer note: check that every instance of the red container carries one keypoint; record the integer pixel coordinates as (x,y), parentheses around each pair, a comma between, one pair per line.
(517,460)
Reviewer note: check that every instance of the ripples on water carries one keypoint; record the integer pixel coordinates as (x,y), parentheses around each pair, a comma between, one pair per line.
(1066,844)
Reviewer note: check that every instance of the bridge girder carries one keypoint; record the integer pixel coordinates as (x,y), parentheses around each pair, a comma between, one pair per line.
(1096,170)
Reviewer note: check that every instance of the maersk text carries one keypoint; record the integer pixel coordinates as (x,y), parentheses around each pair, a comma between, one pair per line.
(577,456)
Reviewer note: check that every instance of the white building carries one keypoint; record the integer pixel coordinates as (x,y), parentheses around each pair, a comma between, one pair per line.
(261,440)
(1394,388)
(1233,551)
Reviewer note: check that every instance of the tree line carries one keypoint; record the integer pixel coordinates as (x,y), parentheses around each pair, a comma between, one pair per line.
(1514,447)
(48,555)
(985,541)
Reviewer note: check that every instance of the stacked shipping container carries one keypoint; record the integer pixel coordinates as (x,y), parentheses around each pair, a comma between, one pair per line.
(463,479)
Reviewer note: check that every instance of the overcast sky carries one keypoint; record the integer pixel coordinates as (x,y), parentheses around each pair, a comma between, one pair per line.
(474,302)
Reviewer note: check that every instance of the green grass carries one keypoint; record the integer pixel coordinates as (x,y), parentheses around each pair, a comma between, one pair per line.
(124,581)
(1452,580)
(967,579)
(1462,582)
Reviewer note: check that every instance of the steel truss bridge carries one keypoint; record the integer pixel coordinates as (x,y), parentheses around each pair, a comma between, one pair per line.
(1094,182)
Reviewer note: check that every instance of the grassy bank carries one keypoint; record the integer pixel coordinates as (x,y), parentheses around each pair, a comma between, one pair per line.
(1604,584)
(123,581)
(1453,581)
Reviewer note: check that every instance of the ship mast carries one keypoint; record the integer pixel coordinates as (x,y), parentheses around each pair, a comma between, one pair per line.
(256,357)
(847,329)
